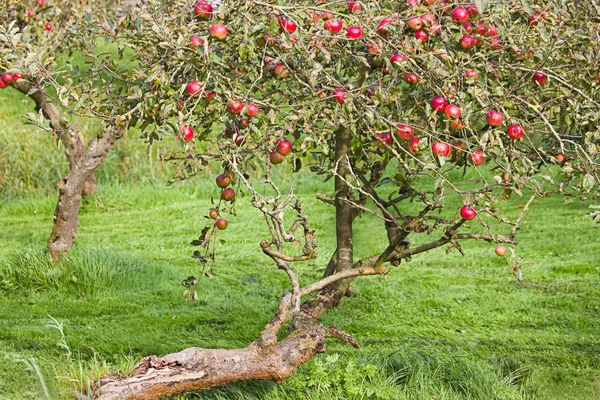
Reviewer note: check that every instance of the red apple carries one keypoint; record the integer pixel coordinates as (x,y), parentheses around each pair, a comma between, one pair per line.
(40,3)
(471,73)
(194,88)
(354,6)
(187,133)
(477,158)
(7,78)
(411,78)
(435,28)
(213,213)
(244,123)
(460,15)
(354,32)
(439,103)
(384,26)
(218,31)
(281,71)
(494,118)
(421,35)
(30,13)
(473,11)
(223,180)
(339,95)
(496,43)
(283,147)
(405,132)
(467,27)
(383,140)
(467,42)
(210,96)
(457,124)
(287,25)
(491,31)
(397,59)
(452,111)
(17,76)
(326,15)
(252,110)
(500,250)
(560,158)
(373,47)
(413,144)
(515,131)
(48,27)
(276,158)
(196,41)
(221,224)
(540,78)
(2,84)
(228,194)
(415,23)
(481,28)
(235,106)
(468,213)
(333,25)
(441,149)
(203,9)
(428,19)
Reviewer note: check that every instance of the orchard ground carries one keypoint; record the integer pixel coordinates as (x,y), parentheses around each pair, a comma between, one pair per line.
(441,327)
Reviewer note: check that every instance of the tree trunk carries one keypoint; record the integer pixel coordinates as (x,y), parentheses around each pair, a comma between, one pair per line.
(266,358)
(196,368)
(72,141)
(66,215)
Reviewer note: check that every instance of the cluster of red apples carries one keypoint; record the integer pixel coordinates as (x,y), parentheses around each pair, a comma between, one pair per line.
(31,14)
(474,34)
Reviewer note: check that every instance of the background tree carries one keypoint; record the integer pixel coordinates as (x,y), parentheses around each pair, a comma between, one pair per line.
(404,105)
(34,34)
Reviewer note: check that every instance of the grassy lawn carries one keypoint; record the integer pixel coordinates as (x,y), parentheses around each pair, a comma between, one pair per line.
(441,327)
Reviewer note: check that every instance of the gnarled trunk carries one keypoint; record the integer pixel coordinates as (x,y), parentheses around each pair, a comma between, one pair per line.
(66,214)
(196,368)
(71,140)
(266,358)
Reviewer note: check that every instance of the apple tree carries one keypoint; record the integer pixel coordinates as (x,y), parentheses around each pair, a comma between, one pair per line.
(35,35)
(399,106)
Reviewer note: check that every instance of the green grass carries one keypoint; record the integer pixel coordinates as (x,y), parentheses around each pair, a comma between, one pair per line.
(443,325)
(440,327)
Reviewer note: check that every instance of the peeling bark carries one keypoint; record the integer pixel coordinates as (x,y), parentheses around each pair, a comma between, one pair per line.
(66,215)
(196,368)
(72,141)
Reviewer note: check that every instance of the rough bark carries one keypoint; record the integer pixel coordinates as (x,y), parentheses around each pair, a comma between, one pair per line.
(196,368)
(72,141)
(333,295)
(66,215)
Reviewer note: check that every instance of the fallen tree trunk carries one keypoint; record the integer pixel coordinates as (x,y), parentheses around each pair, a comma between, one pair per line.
(196,368)
(72,141)
(66,214)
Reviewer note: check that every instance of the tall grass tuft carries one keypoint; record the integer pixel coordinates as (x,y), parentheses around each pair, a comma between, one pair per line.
(82,273)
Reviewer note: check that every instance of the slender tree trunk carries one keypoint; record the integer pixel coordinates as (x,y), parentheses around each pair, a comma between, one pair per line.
(66,215)
(71,140)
